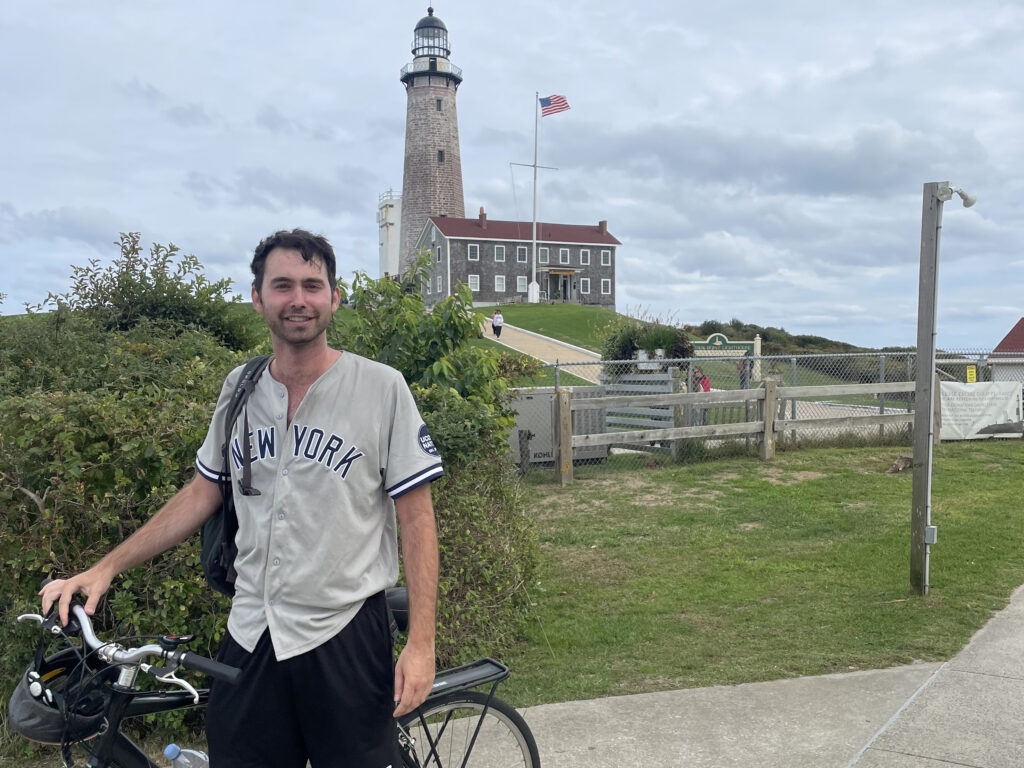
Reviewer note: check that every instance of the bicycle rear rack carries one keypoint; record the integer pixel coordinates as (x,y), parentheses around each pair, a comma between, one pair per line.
(470,675)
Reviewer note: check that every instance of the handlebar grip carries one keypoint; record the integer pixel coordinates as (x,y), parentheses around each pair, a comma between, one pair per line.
(211,667)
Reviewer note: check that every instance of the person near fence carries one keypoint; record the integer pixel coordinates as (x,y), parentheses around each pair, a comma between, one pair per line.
(317,539)
(743,367)
(701,380)
(496,322)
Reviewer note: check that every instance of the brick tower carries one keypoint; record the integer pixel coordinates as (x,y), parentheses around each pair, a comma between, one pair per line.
(432,177)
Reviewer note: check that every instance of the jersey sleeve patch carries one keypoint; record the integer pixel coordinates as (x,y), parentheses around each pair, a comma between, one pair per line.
(427,442)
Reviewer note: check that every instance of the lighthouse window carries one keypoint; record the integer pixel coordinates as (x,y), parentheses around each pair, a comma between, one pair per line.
(440,155)
(438,105)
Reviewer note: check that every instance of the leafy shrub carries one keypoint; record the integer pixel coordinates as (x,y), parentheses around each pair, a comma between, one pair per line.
(488,545)
(166,287)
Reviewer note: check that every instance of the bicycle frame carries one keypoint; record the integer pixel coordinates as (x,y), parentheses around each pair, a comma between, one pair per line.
(113,745)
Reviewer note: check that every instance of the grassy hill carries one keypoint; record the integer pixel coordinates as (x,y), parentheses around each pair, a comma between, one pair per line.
(586,327)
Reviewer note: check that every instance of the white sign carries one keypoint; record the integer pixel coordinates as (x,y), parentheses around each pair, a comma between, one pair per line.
(980,410)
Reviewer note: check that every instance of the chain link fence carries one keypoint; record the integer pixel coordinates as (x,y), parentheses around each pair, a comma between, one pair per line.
(810,401)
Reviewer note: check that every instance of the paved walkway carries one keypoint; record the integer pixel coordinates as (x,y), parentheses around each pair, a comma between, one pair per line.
(968,711)
(548,350)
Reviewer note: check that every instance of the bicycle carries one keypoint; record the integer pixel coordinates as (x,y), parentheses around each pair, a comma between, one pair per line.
(82,694)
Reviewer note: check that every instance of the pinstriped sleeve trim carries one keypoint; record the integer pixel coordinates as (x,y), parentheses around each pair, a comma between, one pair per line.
(211,474)
(424,476)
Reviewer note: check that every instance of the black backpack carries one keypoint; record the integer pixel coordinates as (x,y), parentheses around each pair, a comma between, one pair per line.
(218,532)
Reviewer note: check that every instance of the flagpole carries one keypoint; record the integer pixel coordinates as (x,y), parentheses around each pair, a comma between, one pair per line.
(533,296)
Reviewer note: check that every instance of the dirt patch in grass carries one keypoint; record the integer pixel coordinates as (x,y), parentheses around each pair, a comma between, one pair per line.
(777,476)
(592,565)
(749,526)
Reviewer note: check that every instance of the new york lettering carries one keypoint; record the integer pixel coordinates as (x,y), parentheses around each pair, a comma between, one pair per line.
(308,443)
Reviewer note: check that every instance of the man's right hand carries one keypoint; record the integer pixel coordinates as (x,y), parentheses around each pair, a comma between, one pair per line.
(92,583)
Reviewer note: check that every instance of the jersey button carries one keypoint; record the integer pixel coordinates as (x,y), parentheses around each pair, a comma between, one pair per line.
(280,516)
(280,416)
(277,561)
(284,472)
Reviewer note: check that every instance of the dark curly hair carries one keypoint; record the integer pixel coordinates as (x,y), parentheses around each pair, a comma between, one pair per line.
(309,245)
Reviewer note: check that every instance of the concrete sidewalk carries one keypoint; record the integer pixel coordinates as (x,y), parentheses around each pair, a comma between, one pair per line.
(968,711)
(547,350)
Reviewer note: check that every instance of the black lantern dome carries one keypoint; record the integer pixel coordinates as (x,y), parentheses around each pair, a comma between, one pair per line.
(430,38)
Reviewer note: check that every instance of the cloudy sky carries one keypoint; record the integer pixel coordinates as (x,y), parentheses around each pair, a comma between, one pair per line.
(757,160)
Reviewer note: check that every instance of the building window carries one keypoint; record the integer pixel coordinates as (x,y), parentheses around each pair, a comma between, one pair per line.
(428,285)
(474,283)
(521,284)
(438,283)
(606,286)
(585,285)
(439,250)
(440,155)
(542,255)
(563,255)
(606,258)
(474,252)
(585,257)
(438,105)
(499,253)
(521,254)
(499,283)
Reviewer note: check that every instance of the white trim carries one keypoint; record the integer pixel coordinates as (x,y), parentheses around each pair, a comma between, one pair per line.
(567,253)
(606,252)
(496,259)
(604,281)
(469,281)
(587,281)
(496,279)
(584,253)
(522,280)
(469,252)
(525,252)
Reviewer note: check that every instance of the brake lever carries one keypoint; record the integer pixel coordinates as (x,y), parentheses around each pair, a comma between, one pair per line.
(30,617)
(168,677)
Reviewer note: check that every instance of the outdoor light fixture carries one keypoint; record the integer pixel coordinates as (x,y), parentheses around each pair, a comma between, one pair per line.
(945,192)
(922,533)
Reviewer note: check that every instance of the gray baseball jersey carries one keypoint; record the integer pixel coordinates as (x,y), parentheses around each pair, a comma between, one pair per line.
(321,536)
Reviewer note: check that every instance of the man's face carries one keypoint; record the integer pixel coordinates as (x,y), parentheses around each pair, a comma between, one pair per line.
(296,299)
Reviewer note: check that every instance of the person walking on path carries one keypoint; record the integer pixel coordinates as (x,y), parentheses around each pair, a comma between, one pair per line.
(342,452)
(496,322)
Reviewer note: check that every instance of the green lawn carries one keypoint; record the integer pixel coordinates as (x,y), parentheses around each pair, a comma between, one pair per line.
(739,570)
(571,323)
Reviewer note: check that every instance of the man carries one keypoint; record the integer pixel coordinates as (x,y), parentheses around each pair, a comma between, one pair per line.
(497,320)
(334,438)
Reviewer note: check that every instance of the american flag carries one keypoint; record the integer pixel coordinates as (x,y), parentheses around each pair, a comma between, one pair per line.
(549,105)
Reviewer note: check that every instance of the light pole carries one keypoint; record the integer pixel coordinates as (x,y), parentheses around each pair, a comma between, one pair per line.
(922,532)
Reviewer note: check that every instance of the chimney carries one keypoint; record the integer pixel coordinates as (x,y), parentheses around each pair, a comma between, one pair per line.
(483,218)
(602,226)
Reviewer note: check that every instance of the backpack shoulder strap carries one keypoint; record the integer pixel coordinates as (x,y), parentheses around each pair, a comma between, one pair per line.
(246,384)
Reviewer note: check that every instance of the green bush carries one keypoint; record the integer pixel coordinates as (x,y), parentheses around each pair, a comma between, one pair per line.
(165,286)
(488,545)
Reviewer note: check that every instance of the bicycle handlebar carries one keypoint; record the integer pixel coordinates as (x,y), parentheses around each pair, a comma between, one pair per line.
(114,653)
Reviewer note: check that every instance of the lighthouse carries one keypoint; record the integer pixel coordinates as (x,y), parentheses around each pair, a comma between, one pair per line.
(432,175)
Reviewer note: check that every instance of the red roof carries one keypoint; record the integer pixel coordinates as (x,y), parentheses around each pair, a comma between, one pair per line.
(489,229)
(1014,341)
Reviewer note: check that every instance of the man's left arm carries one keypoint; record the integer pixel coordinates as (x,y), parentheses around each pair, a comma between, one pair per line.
(414,672)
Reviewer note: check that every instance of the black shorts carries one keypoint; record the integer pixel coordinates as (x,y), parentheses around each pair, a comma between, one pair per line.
(331,705)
